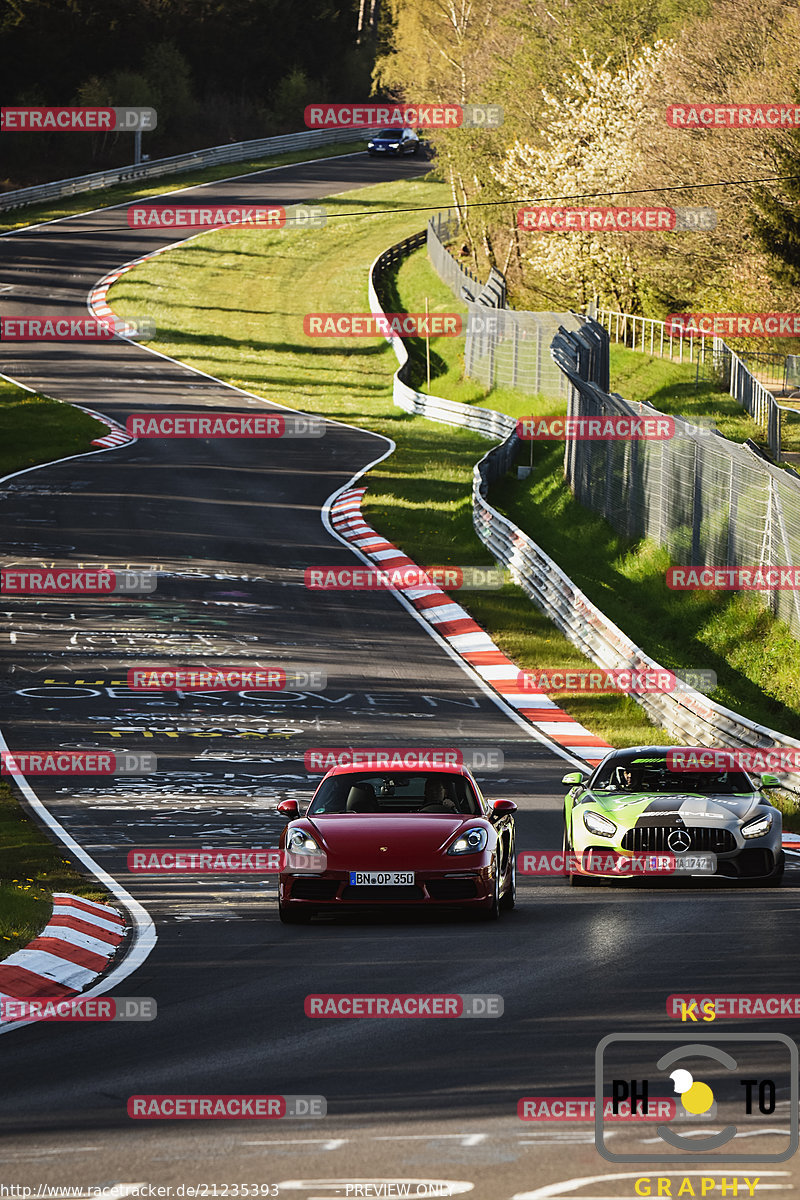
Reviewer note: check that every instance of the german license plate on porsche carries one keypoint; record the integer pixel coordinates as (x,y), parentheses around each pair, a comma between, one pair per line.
(381,878)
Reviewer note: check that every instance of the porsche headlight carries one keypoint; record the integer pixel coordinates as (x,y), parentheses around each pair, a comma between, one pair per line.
(300,842)
(471,841)
(758,827)
(599,825)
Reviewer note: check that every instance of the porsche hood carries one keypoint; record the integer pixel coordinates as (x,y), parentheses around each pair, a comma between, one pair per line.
(409,838)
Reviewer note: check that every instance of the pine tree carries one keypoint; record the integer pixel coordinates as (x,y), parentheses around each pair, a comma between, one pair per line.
(775,222)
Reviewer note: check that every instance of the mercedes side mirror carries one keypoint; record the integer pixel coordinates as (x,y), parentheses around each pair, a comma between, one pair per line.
(768,781)
(573,778)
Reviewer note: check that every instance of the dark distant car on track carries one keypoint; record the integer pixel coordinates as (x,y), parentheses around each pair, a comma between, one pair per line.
(394,141)
(637,802)
(423,838)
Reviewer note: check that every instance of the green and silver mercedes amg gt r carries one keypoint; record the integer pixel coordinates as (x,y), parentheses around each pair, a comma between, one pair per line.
(639,809)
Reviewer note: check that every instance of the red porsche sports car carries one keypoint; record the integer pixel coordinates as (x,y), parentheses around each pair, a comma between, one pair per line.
(399,837)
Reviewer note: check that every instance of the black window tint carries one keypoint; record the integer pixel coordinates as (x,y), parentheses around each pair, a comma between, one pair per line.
(395,793)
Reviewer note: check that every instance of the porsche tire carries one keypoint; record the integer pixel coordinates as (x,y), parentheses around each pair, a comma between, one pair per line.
(509,900)
(492,912)
(295,914)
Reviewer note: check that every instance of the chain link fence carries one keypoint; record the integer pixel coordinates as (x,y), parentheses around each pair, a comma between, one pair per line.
(688,716)
(709,501)
(512,349)
(715,360)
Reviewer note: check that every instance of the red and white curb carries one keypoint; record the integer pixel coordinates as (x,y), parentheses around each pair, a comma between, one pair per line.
(465,636)
(97,300)
(117,435)
(97,303)
(75,947)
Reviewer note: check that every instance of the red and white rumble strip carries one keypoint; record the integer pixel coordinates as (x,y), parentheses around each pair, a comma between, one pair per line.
(74,948)
(465,636)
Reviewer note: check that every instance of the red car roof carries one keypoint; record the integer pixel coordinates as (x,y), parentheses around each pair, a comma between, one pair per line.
(375,770)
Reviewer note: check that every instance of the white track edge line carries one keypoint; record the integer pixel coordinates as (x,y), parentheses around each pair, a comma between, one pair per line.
(143,930)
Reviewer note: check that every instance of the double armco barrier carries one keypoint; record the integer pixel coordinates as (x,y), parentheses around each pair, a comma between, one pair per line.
(212,156)
(486,421)
(688,716)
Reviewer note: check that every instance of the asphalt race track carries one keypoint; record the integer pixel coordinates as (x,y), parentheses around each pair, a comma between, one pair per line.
(231,525)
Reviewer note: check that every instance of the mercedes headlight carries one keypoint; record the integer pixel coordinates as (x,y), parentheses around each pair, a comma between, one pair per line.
(300,842)
(471,841)
(599,825)
(758,827)
(395,146)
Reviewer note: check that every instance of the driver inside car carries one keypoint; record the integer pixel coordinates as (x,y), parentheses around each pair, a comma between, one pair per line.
(436,799)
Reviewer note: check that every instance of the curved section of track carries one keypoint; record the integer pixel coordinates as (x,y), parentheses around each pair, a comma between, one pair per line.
(232,534)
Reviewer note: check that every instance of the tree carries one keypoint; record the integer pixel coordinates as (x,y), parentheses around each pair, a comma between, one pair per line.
(592,144)
(776,222)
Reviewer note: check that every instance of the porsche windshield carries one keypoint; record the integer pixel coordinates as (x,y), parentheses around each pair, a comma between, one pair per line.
(654,775)
(395,793)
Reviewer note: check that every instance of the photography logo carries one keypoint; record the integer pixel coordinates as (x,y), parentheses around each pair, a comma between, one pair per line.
(728,1079)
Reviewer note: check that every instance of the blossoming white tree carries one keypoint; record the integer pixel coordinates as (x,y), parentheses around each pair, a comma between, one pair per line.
(594,139)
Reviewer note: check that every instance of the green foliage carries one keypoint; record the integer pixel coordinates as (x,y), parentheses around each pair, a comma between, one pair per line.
(775,220)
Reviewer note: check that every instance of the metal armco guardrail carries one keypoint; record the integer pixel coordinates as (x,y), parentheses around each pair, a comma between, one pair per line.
(689,716)
(233,152)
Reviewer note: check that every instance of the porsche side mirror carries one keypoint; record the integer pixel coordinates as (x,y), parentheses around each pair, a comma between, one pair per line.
(768,781)
(503,808)
(573,778)
(288,809)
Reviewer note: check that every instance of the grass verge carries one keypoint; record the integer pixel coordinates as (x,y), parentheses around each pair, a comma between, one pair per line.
(31,869)
(35,429)
(68,206)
